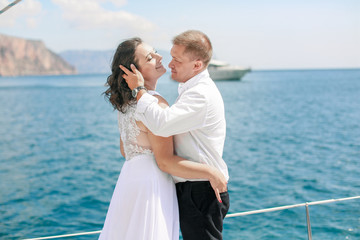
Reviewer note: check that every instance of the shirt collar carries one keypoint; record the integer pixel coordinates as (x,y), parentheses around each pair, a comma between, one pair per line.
(192,81)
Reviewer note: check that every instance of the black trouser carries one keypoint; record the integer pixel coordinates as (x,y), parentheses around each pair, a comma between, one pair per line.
(201,214)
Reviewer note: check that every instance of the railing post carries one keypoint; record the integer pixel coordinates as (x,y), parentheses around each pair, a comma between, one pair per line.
(308,221)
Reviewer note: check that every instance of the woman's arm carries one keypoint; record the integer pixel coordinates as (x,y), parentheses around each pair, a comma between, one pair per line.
(177,166)
(122,148)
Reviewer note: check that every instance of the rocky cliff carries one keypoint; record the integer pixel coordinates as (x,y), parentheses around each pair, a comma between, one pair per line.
(20,57)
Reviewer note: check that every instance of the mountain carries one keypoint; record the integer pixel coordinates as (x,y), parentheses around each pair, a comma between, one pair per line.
(90,61)
(19,57)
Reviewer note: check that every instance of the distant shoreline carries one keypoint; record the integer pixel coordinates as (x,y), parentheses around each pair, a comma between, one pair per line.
(252,70)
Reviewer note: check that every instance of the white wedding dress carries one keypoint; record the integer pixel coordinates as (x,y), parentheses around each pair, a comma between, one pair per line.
(144,203)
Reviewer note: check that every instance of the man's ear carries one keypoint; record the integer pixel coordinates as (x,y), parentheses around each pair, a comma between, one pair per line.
(198,65)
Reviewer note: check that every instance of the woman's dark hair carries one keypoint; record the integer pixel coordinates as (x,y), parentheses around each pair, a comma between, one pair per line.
(119,93)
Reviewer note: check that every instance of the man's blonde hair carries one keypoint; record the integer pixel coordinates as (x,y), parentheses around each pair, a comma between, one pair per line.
(197,45)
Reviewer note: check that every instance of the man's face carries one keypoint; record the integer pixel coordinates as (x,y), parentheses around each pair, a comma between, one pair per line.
(182,67)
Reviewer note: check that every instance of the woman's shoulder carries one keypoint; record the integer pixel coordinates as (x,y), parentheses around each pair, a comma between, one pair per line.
(162,102)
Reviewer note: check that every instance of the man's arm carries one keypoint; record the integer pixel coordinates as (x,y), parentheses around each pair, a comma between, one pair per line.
(163,149)
(185,115)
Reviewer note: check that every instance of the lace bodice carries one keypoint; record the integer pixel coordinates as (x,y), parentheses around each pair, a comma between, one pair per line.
(130,134)
(135,141)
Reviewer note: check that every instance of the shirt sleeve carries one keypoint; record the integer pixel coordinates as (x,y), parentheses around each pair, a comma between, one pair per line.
(187,114)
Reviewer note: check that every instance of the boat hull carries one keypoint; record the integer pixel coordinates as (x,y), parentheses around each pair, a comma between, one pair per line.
(218,74)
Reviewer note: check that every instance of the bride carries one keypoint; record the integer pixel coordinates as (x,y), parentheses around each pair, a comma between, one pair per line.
(144,204)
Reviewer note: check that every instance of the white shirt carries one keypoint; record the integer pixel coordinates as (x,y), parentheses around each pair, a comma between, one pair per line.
(196,120)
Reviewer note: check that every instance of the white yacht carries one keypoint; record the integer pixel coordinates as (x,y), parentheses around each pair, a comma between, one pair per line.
(223,71)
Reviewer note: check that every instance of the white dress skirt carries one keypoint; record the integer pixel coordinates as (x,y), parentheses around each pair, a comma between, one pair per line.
(144,204)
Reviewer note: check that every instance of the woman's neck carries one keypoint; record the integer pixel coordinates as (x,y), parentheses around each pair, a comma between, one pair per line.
(150,87)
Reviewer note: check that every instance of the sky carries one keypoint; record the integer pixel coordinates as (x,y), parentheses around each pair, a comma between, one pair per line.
(261,34)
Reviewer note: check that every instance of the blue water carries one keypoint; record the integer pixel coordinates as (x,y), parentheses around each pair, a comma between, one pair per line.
(292,137)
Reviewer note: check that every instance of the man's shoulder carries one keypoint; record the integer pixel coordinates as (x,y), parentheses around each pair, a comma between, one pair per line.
(207,88)
(204,85)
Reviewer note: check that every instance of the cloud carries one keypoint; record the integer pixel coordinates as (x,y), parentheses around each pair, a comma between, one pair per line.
(118,3)
(28,10)
(92,14)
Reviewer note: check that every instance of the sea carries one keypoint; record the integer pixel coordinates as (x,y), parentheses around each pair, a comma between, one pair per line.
(293,136)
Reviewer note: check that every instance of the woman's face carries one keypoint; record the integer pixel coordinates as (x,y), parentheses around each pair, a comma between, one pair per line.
(150,65)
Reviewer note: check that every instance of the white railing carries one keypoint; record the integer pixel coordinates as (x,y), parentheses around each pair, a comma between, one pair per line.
(9,6)
(306,205)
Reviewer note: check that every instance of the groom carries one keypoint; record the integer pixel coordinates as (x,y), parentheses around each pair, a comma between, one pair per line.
(197,121)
